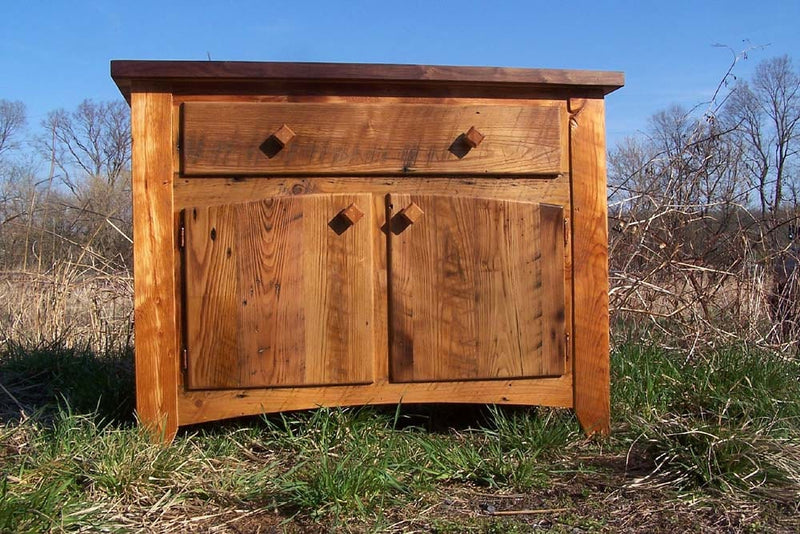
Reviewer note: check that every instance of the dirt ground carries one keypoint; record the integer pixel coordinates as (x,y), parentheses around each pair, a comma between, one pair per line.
(609,496)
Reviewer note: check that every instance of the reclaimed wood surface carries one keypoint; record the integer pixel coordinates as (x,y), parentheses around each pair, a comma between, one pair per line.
(179,100)
(191,192)
(590,265)
(157,362)
(237,139)
(279,292)
(552,255)
(466,289)
(568,186)
(343,75)
(210,405)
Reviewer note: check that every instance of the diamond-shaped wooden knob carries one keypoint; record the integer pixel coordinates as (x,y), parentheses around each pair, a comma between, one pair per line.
(473,137)
(352,214)
(283,135)
(412,213)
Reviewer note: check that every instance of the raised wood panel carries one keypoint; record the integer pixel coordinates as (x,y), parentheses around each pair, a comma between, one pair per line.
(467,295)
(552,255)
(554,100)
(236,138)
(279,292)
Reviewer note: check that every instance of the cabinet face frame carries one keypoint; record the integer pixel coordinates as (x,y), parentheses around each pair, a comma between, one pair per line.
(160,193)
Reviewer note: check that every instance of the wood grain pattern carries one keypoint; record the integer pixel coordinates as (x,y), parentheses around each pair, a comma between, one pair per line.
(233,139)
(341,75)
(156,329)
(179,100)
(551,251)
(295,90)
(190,192)
(590,266)
(277,295)
(200,406)
(466,290)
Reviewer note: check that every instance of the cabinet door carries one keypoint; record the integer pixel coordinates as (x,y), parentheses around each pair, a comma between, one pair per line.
(476,288)
(279,292)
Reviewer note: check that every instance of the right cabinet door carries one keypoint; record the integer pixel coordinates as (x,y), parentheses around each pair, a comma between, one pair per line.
(476,288)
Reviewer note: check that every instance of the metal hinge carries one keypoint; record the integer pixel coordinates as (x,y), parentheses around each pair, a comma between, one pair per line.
(566,231)
(185,360)
(181,236)
(566,338)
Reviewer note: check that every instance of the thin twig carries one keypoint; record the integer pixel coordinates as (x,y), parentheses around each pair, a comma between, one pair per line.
(530,512)
(13,398)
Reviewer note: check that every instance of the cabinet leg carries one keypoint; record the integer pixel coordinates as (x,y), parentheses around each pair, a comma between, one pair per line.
(161,427)
(156,329)
(590,264)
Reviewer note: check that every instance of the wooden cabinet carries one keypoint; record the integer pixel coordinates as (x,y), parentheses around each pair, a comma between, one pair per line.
(318,234)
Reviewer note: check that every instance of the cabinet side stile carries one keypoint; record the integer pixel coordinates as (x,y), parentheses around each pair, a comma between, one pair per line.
(154,247)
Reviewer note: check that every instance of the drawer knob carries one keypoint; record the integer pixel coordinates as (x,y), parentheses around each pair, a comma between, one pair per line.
(473,137)
(352,214)
(412,213)
(283,135)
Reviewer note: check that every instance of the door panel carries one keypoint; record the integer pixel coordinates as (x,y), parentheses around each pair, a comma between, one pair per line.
(476,289)
(279,293)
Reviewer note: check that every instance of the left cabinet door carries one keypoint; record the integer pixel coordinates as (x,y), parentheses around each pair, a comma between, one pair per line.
(279,292)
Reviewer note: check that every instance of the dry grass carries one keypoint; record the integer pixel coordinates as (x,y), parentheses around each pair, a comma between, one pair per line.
(67,306)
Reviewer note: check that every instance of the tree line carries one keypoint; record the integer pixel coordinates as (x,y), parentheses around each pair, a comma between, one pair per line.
(65,192)
(703,205)
(704,213)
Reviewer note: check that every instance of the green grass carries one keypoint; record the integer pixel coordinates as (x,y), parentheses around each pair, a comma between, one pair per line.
(727,420)
(722,425)
(343,463)
(42,378)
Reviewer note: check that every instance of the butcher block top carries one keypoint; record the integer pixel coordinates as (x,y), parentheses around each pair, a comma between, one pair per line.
(360,77)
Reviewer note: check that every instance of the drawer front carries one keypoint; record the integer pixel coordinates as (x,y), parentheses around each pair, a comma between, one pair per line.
(255,138)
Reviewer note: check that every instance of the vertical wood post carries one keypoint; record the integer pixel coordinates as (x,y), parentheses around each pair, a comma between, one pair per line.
(157,361)
(590,264)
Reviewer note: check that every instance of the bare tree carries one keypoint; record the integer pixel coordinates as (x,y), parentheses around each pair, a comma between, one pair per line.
(696,204)
(93,140)
(12,121)
(766,113)
(91,150)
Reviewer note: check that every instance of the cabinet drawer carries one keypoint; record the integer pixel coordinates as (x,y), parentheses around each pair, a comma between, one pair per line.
(255,138)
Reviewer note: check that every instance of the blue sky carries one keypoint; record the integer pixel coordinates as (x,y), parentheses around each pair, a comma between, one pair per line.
(56,53)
